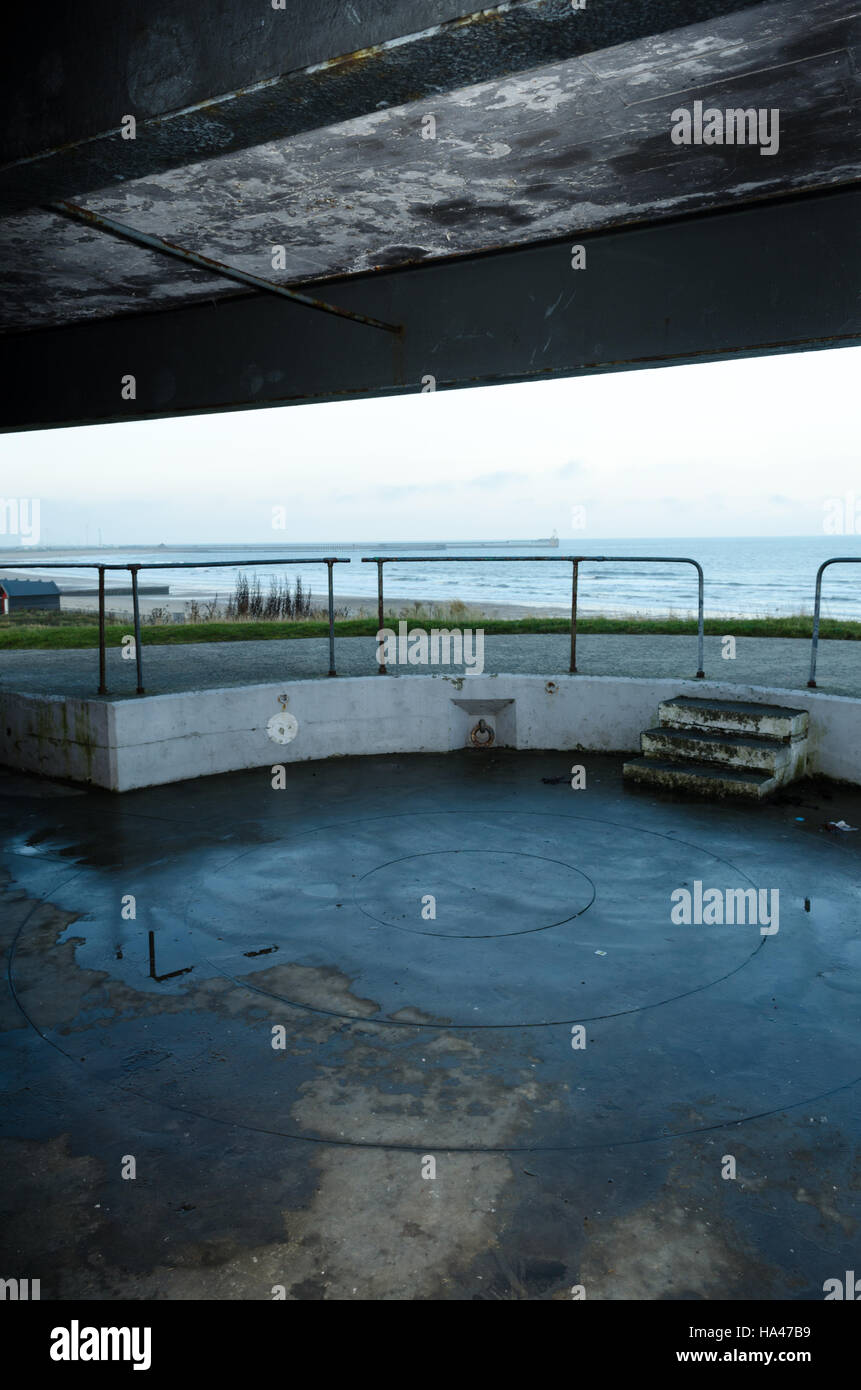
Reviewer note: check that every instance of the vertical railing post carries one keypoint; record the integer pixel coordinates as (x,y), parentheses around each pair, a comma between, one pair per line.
(574,579)
(700,623)
(816,606)
(332,672)
(380,617)
(103,689)
(137,612)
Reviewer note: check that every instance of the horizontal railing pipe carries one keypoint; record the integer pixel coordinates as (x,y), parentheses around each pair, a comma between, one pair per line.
(575,560)
(380,561)
(133,568)
(835,560)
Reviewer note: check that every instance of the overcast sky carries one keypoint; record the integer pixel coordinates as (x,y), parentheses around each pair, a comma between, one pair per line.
(750,447)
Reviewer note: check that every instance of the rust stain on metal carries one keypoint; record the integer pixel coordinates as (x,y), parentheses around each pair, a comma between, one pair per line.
(468,21)
(362,56)
(346,61)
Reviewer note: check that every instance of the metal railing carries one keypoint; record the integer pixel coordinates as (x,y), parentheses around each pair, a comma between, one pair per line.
(574,560)
(381,560)
(328,560)
(837,560)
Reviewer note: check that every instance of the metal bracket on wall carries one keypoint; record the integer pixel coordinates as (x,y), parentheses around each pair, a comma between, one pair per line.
(227,272)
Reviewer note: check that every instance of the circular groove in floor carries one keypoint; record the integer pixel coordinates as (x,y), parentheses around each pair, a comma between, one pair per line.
(305,906)
(474,894)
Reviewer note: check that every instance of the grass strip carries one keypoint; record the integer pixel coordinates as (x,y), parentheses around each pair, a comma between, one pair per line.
(15,636)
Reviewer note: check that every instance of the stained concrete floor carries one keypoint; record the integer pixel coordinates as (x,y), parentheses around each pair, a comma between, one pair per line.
(409,1036)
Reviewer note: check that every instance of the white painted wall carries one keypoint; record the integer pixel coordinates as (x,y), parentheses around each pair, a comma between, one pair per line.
(167,738)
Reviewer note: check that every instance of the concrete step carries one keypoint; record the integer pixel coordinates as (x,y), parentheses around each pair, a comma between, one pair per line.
(784,760)
(733,717)
(707,779)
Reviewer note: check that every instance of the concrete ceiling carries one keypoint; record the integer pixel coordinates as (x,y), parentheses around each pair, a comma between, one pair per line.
(568,147)
(302,128)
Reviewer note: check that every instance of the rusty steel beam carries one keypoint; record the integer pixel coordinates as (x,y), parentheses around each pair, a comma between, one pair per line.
(780,276)
(211,76)
(226,272)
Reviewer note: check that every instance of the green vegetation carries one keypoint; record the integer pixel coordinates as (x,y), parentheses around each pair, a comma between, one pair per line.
(50,617)
(64,630)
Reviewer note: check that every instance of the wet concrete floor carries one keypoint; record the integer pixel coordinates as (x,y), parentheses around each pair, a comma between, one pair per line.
(423,1027)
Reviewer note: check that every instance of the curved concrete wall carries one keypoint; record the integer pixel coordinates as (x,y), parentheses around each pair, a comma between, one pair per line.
(167,738)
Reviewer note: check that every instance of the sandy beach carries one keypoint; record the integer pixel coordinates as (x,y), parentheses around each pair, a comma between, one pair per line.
(351,605)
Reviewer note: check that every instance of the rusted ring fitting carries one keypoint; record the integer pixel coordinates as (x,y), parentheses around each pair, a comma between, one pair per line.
(482,735)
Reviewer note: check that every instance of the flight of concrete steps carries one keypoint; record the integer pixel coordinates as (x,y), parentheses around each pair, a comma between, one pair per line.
(722,748)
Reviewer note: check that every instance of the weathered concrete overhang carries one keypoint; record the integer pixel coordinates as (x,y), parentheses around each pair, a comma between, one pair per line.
(776,277)
(433,185)
(212,77)
(572,146)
